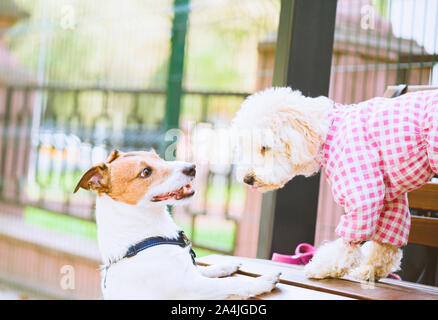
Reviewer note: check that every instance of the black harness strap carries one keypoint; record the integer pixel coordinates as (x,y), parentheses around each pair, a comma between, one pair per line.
(181,241)
(147,243)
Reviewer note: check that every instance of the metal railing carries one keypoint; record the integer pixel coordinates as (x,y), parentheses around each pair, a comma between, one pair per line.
(51,134)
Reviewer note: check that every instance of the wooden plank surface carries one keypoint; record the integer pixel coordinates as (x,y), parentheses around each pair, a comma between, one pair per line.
(424,231)
(424,198)
(293,276)
(288,292)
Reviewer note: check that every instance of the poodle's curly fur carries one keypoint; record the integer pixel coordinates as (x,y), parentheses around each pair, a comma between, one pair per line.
(297,127)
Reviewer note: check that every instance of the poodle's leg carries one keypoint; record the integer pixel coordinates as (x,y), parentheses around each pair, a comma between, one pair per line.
(378,260)
(333,260)
(219,270)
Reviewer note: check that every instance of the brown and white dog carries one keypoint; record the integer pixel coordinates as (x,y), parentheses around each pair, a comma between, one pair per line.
(134,190)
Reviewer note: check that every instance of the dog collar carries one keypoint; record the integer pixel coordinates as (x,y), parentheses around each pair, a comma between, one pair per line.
(147,243)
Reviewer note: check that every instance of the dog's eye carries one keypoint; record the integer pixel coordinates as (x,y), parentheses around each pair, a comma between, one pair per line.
(264,149)
(146,172)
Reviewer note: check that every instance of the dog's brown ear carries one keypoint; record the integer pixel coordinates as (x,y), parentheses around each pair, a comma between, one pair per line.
(113,156)
(96,178)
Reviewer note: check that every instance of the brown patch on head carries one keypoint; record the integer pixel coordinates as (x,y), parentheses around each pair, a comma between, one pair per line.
(125,182)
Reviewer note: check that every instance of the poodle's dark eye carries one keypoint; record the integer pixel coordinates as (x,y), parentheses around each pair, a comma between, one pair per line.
(146,172)
(264,149)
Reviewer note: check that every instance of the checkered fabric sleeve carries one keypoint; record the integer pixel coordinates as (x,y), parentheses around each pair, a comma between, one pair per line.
(356,183)
(394,222)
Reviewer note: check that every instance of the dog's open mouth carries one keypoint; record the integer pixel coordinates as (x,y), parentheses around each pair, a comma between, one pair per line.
(181,193)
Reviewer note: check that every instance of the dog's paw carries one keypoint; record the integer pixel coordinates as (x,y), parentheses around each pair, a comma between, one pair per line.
(315,270)
(264,284)
(364,273)
(368,273)
(332,260)
(225,270)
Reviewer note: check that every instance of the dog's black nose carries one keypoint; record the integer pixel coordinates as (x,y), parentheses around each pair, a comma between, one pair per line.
(190,170)
(249,179)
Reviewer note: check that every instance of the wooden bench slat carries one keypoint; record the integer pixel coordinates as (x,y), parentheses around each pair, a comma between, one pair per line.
(424,198)
(288,292)
(294,276)
(424,231)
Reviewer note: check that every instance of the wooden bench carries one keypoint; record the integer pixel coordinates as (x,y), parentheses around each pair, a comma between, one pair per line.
(424,230)
(295,286)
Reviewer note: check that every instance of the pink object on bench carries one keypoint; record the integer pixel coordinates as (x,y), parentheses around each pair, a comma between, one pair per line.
(299,257)
(304,257)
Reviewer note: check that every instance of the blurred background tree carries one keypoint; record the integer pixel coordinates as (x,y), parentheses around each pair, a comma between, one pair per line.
(101,42)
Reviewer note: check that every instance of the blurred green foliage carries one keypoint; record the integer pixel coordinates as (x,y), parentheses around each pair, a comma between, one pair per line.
(104,42)
(381,6)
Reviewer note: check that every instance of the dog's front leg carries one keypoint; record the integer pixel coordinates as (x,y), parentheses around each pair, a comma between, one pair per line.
(378,260)
(333,260)
(231,287)
(219,270)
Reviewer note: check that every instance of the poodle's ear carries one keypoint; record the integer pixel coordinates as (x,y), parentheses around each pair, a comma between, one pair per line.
(96,178)
(305,126)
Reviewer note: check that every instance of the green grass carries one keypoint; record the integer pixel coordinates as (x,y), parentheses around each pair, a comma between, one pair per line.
(217,193)
(220,236)
(60,223)
(202,252)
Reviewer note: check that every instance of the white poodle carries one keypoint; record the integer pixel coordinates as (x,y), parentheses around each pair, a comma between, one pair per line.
(373,153)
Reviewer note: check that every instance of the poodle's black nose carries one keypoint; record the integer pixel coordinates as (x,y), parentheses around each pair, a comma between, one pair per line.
(190,170)
(249,179)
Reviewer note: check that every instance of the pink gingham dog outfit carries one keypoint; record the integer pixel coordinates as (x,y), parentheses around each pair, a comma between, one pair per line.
(375,152)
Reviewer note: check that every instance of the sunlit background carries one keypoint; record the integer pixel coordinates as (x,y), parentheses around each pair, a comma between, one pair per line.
(79,78)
